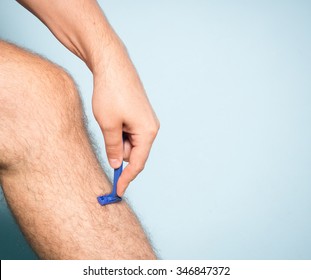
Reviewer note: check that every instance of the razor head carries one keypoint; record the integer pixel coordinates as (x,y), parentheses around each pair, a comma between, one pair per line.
(108,199)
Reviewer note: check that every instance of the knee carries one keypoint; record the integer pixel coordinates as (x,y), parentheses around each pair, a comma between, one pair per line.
(40,103)
(57,102)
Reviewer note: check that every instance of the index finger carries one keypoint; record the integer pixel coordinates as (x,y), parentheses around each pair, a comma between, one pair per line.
(137,161)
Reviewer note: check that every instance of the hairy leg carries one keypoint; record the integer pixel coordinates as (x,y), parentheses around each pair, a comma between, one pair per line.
(49,173)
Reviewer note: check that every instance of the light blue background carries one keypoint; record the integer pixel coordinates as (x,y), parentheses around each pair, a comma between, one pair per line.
(229,176)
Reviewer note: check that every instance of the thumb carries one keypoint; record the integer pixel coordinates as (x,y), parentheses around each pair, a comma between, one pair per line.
(114,146)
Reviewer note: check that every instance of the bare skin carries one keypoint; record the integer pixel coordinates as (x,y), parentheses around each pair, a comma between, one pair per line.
(49,173)
(120,104)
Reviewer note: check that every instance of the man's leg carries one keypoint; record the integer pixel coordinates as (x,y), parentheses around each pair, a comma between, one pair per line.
(49,173)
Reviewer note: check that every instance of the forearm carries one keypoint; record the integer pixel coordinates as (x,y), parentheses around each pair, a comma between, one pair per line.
(80,25)
(120,104)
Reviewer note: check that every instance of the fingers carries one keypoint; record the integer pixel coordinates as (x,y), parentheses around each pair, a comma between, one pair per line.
(127,147)
(136,148)
(137,161)
(140,127)
(114,145)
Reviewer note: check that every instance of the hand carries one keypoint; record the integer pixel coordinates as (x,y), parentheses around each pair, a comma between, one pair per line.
(119,100)
(120,105)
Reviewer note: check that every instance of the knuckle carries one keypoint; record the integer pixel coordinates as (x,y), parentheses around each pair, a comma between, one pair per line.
(152,131)
(109,126)
(158,125)
(138,167)
(114,150)
(97,116)
(97,109)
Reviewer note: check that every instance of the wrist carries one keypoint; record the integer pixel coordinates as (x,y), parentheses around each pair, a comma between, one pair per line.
(107,53)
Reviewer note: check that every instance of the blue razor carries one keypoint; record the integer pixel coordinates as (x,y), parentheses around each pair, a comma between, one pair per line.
(112,197)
